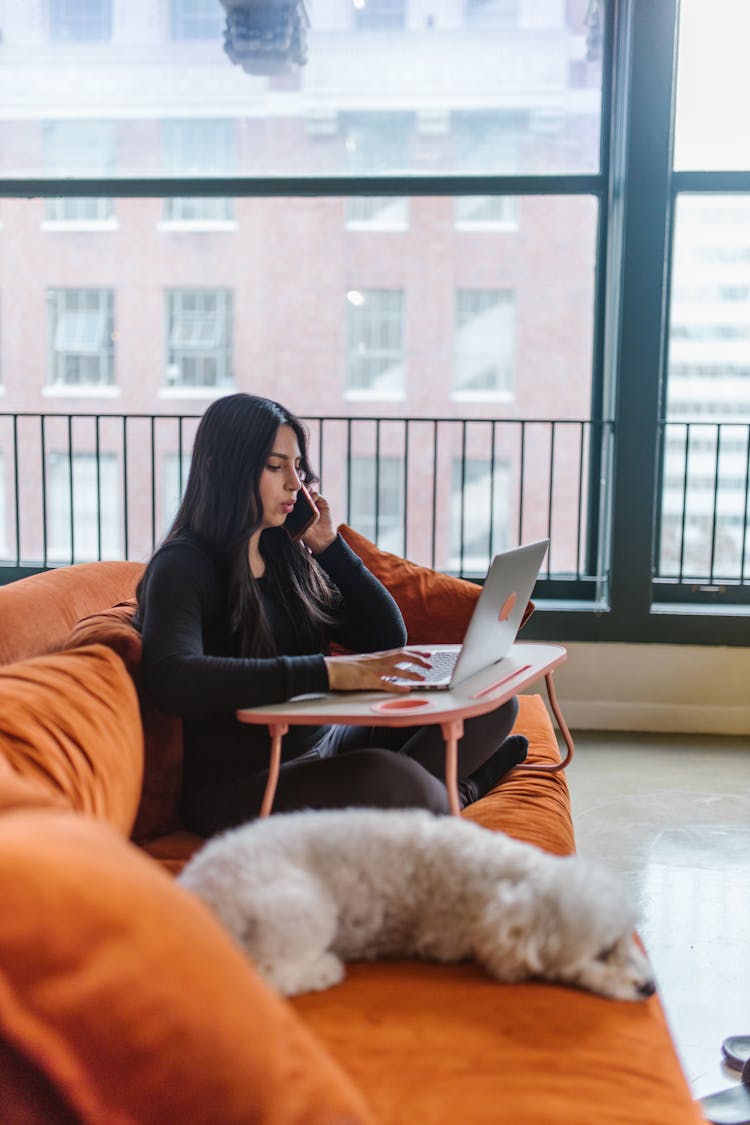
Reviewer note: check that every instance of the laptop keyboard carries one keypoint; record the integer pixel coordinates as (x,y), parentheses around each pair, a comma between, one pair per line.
(443,664)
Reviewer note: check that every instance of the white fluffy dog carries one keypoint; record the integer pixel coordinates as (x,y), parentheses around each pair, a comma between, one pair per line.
(303,892)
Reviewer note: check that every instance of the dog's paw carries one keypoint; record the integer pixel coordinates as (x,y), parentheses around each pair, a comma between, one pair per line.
(293,978)
(327,971)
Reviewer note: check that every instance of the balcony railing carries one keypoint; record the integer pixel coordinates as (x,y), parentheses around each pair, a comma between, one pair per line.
(445,492)
(704,532)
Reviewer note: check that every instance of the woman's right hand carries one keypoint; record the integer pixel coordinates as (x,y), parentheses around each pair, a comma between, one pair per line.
(370,671)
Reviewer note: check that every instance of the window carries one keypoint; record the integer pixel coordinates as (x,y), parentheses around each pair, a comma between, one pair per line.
(79,210)
(488,141)
(80,20)
(92,530)
(196,19)
(79,148)
(704,471)
(81,334)
(176,470)
(486,211)
(83,211)
(198,148)
(375,341)
(377,500)
(379,15)
(190,209)
(492,14)
(199,333)
(376,142)
(485,341)
(479,513)
(712,86)
(4,539)
(379,212)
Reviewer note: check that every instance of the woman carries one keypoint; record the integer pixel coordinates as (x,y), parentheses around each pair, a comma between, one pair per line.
(233,613)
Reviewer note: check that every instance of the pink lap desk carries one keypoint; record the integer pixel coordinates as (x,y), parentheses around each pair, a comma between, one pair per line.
(483,692)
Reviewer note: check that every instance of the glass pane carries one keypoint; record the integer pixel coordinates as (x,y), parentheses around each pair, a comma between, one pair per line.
(704,496)
(294,303)
(92,530)
(495,86)
(713,86)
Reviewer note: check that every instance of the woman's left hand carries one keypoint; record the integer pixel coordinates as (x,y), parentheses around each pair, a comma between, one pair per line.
(322,533)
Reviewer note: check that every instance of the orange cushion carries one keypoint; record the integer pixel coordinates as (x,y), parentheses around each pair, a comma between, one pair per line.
(436,607)
(435,1044)
(70,735)
(162,734)
(38,612)
(534,807)
(121,993)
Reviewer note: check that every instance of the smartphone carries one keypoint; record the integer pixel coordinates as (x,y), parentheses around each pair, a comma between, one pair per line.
(303,515)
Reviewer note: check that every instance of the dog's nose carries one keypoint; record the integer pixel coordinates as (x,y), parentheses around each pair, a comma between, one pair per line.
(646,989)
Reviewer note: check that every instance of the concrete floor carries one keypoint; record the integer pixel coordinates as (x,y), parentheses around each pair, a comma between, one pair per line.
(672,814)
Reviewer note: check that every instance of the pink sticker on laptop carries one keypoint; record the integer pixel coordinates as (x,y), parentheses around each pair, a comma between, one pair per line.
(506,607)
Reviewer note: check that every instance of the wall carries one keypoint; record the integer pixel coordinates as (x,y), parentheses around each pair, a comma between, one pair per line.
(681,688)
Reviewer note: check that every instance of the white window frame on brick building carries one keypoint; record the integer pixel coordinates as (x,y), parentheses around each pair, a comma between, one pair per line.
(81,337)
(379,15)
(485,343)
(81,148)
(377,500)
(195,19)
(4,536)
(480,501)
(375,343)
(377,212)
(486,212)
(176,468)
(190,147)
(199,339)
(80,21)
(96,507)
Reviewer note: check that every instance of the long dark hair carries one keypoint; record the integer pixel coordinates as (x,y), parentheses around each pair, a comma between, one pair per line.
(222,506)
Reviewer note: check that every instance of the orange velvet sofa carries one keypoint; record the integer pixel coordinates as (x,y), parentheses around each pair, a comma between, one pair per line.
(123,1002)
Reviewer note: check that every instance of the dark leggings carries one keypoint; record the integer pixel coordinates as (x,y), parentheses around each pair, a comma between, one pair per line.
(371,767)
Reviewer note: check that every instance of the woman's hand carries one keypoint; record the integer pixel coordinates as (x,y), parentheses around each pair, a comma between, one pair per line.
(322,533)
(370,671)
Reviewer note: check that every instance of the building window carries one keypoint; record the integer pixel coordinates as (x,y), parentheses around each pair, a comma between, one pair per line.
(486,211)
(198,148)
(196,19)
(479,513)
(379,15)
(79,209)
(377,212)
(485,341)
(4,540)
(377,500)
(194,209)
(375,143)
(81,333)
(375,341)
(199,334)
(93,529)
(492,14)
(488,140)
(79,148)
(176,470)
(80,21)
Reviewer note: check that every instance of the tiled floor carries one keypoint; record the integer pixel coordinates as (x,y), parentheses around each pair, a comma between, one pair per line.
(672,813)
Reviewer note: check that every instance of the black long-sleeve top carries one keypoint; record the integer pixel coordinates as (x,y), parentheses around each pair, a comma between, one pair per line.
(190,667)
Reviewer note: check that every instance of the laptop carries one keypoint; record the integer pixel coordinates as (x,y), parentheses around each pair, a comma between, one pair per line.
(494,623)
